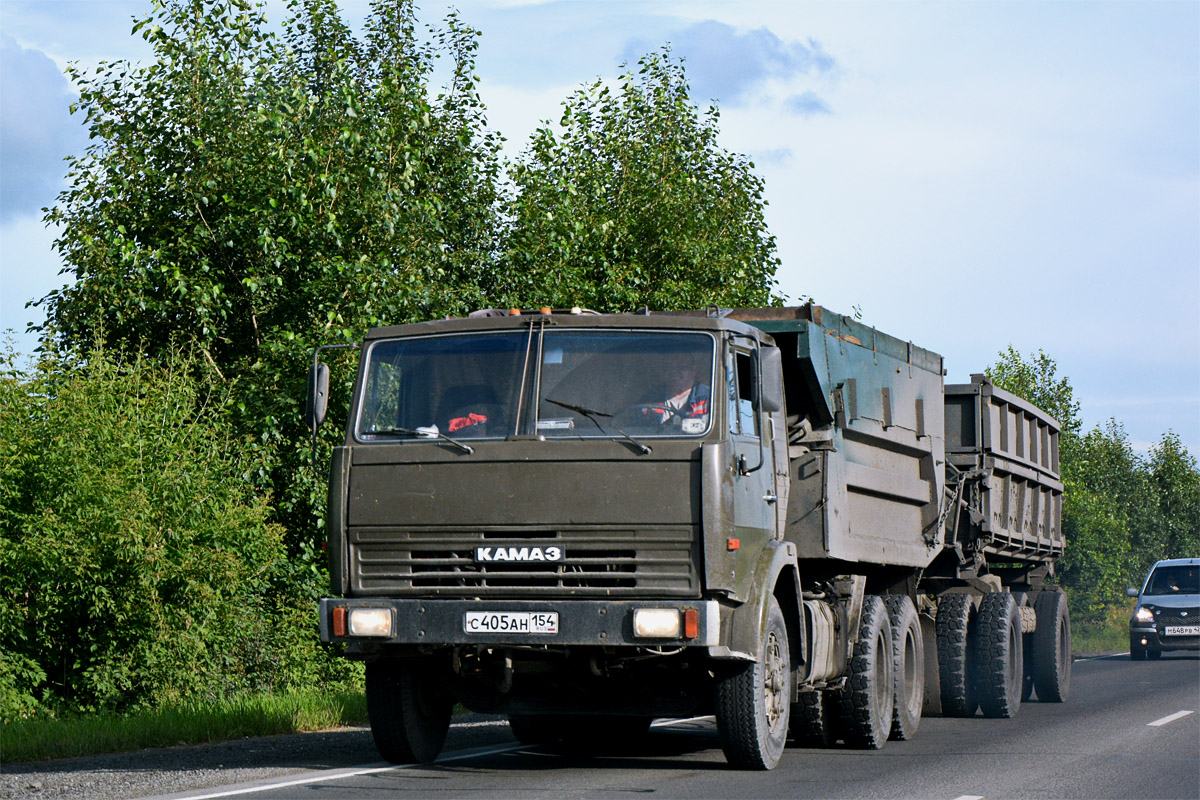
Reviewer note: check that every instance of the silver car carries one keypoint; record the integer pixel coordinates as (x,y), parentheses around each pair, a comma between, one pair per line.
(1167,615)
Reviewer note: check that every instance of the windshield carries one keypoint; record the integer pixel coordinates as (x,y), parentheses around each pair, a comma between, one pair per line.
(460,386)
(1174,580)
(593,383)
(606,382)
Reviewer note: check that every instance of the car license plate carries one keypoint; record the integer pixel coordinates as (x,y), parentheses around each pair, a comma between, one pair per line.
(511,622)
(1181,630)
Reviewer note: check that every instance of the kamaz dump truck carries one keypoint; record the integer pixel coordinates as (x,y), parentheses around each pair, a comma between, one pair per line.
(816,541)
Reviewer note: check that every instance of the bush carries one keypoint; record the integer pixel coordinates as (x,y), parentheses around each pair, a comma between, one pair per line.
(137,565)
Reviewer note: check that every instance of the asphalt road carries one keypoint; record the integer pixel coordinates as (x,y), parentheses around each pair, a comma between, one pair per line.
(1128,730)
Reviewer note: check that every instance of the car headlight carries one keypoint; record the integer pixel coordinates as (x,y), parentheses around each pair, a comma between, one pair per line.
(1143,614)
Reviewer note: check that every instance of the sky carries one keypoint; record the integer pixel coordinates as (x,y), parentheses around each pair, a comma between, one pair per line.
(967,176)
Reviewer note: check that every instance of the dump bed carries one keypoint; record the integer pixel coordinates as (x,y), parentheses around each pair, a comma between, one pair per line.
(865,431)
(1003,452)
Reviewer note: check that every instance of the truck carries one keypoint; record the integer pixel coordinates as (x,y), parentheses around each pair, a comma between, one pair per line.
(818,541)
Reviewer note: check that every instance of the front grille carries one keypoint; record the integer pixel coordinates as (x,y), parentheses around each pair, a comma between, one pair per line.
(1193,618)
(597,563)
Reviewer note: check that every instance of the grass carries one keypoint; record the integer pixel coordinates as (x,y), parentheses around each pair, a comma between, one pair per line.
(1100,638)
(41,738)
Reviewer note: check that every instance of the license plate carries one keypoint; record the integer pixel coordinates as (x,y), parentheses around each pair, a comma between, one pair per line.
(1181,630)
(511,622)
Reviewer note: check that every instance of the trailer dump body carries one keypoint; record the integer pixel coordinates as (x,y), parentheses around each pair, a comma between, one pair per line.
(1004,453)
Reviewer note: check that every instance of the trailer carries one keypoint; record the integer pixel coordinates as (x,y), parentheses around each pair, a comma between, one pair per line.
(781,516)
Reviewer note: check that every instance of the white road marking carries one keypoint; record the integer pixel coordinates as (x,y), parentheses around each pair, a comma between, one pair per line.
(1158,723)
(969,797)
(335,775)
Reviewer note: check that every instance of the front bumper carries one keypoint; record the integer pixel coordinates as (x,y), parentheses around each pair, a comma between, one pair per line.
(580,622)
(1147,636)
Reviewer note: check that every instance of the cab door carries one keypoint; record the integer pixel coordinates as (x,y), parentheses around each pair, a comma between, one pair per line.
(752,449)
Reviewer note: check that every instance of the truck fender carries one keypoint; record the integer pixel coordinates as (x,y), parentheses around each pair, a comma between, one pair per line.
(776,573)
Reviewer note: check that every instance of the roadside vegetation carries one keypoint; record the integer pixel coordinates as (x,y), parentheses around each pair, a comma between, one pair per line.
(248,196)
(194,722)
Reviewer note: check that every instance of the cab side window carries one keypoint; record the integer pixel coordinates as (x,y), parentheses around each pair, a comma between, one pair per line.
(742,419)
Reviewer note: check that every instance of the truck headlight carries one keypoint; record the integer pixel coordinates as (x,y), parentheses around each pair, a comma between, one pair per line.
(1143,614)
(656,623)
(370,622)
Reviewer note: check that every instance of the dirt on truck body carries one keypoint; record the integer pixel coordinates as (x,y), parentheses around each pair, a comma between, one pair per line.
(778,516)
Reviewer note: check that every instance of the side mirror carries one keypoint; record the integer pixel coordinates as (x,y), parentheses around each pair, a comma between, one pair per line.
(770,370)
(318,396)
(1131,592)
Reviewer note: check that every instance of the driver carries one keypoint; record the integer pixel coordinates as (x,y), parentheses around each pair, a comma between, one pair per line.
(687,396)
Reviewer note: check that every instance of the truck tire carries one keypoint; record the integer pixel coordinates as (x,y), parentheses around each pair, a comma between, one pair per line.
(998,655)
(814,720)
(1027,684)
(753,701)
(409,711)
(908,666)
(868,698)
(1052,648)
(955,623)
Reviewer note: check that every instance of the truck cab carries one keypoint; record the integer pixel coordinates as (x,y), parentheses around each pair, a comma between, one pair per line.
(567,518)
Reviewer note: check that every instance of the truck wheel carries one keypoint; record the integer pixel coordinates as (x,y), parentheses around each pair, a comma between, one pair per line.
(814,720)
(999,656)
(753,701)
(408,709)
(1022,599)
(954,626)
(1052,648)
(867,700)
(908,665)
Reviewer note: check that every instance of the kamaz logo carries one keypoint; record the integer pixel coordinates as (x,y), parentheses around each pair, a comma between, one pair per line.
(492,554)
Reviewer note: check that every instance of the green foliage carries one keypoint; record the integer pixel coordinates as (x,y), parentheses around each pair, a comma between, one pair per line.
(1121,511)
(137,566)
(259,195)
(190,722)
(633,203)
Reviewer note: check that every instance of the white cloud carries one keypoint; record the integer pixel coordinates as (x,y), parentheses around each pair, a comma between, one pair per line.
(36,130)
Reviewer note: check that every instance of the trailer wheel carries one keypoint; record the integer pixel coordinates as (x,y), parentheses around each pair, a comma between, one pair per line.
(955,622)
(753,701)
(999,656)
(1052,648)
(867,700)
(409,711)
(814,720)
(908,666)
(1027,682)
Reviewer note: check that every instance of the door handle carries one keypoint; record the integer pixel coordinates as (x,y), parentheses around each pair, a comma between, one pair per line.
(770,498)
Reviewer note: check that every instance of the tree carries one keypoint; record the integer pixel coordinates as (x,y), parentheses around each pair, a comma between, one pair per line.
(1121,512)
(633,203)
(258,195)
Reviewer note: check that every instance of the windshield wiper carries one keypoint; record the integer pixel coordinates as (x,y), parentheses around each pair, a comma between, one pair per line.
(423,433)
(591,414)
